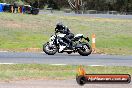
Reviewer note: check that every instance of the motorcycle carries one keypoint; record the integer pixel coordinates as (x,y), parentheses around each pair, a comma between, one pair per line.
(57,43)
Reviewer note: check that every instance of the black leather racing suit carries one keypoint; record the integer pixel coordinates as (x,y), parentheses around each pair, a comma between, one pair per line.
(65,30)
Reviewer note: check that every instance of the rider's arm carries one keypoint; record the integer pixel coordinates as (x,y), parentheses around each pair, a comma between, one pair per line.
(59,30)
(66,30)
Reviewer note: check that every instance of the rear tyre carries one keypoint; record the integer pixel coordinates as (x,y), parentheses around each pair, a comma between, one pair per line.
(49,49)
(85,50)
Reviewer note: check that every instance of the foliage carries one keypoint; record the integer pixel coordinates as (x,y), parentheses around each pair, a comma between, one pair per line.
(101,5)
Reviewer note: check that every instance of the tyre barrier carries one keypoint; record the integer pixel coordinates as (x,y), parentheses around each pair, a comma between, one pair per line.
(24,9)
(93,43)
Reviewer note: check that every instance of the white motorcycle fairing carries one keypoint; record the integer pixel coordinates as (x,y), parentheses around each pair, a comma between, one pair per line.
(61,47)
(61,35)
(78,35)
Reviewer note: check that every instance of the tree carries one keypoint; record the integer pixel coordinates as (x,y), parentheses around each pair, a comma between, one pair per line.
(52,4)
(79,5)
(76,5)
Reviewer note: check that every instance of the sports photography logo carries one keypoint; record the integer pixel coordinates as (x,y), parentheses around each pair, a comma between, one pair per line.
(83,78)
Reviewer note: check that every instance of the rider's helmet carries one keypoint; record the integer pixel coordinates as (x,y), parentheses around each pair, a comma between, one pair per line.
(59,26)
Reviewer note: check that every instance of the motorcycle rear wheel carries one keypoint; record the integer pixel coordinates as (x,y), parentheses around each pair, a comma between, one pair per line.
(85,50)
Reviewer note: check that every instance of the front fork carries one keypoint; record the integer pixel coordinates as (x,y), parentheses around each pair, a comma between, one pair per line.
(50,43)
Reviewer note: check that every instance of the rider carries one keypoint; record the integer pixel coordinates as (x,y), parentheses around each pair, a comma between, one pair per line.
(65,30)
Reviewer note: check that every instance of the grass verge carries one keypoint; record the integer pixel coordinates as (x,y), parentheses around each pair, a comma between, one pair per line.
(21,31)
(41,71)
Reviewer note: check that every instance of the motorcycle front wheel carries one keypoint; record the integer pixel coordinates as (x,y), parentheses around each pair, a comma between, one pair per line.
(50,49)
(85,50)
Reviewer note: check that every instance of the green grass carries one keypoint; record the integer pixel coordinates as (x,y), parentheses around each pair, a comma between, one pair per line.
(113,36)
(41,71)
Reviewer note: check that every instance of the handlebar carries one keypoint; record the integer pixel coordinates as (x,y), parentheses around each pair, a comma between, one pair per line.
(87,39)
(55,31)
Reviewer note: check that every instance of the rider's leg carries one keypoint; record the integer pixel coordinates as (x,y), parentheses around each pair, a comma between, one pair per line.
(68,39)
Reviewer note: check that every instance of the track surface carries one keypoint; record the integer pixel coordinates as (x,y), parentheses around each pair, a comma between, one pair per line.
(73,59)
(58,84)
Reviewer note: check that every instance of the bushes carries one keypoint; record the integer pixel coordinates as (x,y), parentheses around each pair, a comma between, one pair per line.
(100,5)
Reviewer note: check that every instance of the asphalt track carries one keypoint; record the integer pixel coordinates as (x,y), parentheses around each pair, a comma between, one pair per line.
(58,84)
(64,59)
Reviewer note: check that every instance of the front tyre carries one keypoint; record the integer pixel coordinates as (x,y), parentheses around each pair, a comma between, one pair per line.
(85,50)
(49,49)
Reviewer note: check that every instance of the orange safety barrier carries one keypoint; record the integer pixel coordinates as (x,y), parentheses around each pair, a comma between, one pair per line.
(93,43)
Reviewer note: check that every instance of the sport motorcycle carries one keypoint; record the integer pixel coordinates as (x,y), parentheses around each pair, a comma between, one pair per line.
(58,44)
